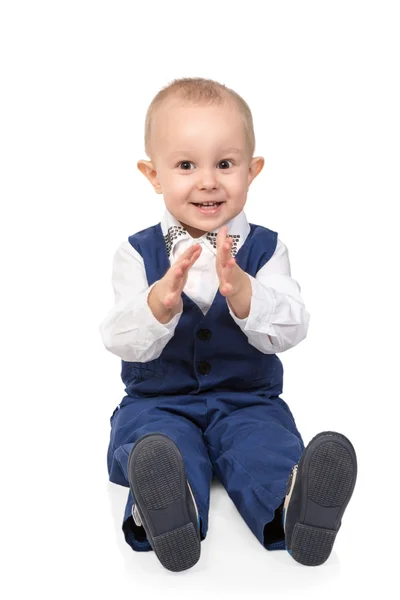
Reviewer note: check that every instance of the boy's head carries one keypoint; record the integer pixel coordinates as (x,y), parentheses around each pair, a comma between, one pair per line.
(200,140)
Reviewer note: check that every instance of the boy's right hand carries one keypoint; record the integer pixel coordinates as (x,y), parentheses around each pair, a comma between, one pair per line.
(165,297)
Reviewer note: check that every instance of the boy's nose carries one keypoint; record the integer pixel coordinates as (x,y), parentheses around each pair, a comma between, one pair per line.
(207,179)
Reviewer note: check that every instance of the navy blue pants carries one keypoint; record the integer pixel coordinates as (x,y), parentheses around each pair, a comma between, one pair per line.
(247,439)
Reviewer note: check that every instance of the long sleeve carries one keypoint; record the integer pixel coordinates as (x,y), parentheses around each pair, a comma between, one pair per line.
(130,330)
(278,319)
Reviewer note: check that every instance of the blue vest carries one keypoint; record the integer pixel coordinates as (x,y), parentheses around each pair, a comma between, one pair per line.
(207,352)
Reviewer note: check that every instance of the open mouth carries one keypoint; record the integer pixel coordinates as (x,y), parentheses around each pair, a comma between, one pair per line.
(208,207)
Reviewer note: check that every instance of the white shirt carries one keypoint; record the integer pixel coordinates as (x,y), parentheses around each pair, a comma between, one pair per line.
(277,321)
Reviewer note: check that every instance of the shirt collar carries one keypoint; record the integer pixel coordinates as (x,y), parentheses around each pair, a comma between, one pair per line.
(174,232)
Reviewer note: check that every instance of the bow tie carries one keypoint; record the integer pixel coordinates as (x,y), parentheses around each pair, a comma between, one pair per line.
(174,232)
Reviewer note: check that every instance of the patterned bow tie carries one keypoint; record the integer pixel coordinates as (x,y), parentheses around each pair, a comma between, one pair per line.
(174,232)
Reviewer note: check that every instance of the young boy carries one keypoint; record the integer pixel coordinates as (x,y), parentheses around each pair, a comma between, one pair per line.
(204,301)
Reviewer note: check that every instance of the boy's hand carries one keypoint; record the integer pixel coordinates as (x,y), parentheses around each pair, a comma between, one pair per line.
(230,275)
(165,297)
(173,282)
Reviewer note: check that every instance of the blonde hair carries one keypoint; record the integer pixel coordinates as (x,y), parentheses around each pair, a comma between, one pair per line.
(197,90)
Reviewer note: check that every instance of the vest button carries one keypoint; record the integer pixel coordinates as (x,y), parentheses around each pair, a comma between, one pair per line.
(204,367)
(204,334)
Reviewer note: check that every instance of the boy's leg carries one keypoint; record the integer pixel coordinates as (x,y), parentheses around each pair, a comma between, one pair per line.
(290,496)
(253,448)
(176,418)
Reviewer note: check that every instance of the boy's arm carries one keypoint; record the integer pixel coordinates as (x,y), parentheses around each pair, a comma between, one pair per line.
(277,319)
(130,330)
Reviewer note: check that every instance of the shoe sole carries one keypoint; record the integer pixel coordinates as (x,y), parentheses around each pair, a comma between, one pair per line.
(159,486)
(327,475)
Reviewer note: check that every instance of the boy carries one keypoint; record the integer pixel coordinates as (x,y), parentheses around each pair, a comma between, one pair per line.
(204,301)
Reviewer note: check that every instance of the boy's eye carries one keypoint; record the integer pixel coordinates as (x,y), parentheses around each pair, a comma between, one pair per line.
(185,162)
(188,162)
(225,161)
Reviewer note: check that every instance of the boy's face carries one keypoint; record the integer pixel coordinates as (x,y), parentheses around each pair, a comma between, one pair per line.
(200,154)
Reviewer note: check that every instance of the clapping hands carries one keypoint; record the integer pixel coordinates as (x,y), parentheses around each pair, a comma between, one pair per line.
(165,297)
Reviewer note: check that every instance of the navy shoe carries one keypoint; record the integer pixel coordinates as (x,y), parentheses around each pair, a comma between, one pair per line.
(318,490)
(164,502)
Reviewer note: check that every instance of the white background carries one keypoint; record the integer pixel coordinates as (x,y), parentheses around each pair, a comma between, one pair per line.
(322,80)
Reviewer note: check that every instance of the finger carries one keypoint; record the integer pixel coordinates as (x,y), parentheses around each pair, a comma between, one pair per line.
(196,255)
(225,241)
(180,268)
(170,300)
(221,237)
(226,289)
(192,250)
(187,255)
(197,250)
(176,276)
(189,262)
(226,276)
(180,271)
(226,252)
(230,263)
(219,240)
(219,246)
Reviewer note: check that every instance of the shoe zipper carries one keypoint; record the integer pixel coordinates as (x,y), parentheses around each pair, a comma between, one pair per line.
(136,516)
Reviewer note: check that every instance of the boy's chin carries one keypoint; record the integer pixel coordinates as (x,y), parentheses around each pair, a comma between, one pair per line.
(193,230)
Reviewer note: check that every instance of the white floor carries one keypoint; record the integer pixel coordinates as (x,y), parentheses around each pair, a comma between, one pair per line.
(233,563)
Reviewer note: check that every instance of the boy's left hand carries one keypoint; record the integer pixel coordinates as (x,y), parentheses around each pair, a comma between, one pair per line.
(230,275)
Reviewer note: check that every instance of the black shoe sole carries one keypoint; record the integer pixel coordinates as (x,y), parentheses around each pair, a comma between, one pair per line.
(327,475)
(159,486)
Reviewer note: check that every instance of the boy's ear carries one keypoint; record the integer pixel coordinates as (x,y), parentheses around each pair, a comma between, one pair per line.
(147,168)
(256,165)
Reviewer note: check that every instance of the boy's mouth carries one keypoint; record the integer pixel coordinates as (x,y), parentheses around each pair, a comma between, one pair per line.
(207,208)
